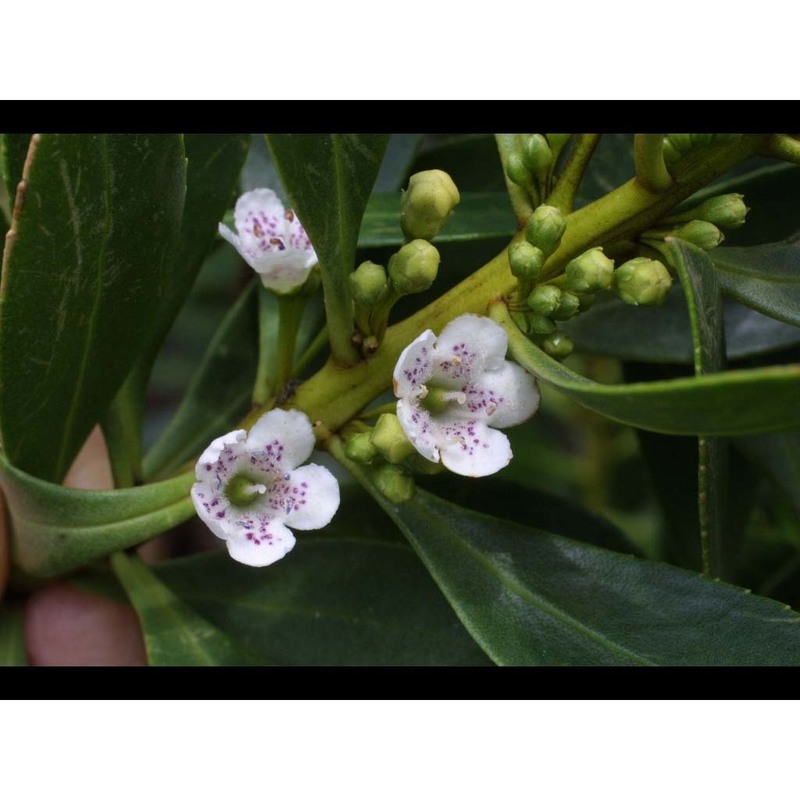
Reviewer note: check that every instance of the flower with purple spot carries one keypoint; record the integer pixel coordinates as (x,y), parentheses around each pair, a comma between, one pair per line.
(271,240)
(455,389)
(250,488)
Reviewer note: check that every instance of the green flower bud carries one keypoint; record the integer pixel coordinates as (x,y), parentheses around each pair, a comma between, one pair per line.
(525,260)
(544,300)
(671,154)
(427,204)
(395,483)
(727,210)
(537,154)
(545,228)
(517,170)
(414,266)
(569,306)
(703,234)
(368,283)
(557,345)
(521,320)
(681,142)
(360,448)
(643,282)
(590,272)
(541,325)
(558,141)
(390,441)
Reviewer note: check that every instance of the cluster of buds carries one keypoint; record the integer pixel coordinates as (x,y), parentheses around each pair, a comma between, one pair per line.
(678,144)
(530,166)
(426,205)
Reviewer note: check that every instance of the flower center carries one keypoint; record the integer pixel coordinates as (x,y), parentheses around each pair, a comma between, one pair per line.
(241,491)
(435,399)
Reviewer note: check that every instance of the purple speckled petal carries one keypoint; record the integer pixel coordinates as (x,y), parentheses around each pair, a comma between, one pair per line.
(311,496)
(281,272)
(413,368)
(417,424)
(259,542)
(503,397)
(468,346)
(473,449)
(280,441)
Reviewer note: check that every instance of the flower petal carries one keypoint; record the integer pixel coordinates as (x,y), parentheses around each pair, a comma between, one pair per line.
(211,455)
(280,440)
(261,543)
(297,238)
(413,368)
(417,424)
(468,345)
(214,509)
(311,496)
(284,270)
(503,397)
(473,449)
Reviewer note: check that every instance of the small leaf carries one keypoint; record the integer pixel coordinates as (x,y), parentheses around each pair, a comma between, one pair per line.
(219,394)
(613,328)
(90,253)
(534,598)
(329,178)
(479,215)
(56,529)
(353,593)
(763,277)
(12,636)
(174,635)
(736,402)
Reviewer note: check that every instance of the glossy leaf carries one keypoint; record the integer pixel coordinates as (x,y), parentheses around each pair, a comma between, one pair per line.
(765,277)
(174,635)
(399,155)
(56,529)
(479,215)
(219,394)
(328,178)
(613,328)
(352,593)
(534,598)
(728,403)
(12,636)
(91,253)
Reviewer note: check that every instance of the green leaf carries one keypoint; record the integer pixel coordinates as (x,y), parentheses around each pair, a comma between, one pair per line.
(472,161)
(534,598)
(13,152)
(174,635)
(728,403)
(12,636)
(219,394)
(56,529)
(329,178)
(763,277)
(400,153)
(778,454)
(353,593)
(479,215)
(90,254)
(613,328)
(611,166)
(213,165)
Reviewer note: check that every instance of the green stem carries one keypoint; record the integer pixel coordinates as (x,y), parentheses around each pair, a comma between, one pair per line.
(275,362)
(648,156)
(337,393)
(506,145)
(308,355)
(563,194)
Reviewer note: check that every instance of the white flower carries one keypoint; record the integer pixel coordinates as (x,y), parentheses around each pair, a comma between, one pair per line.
(454,387)
(250,487)
(271,240)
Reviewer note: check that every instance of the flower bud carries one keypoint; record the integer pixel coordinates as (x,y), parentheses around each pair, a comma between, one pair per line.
(537,155)
(557,345)
(590,272)
(558,141)
(517,170)
(413,267)
(521,320)
(700,233)
(360,448)
(427,204)
(368,283)
(643,282)
(395,483)
(681,142)
(671,154)
(545,228)
(568,306)
(544,300)
(389,440)
(541,325)
(727,210)
(525,260)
